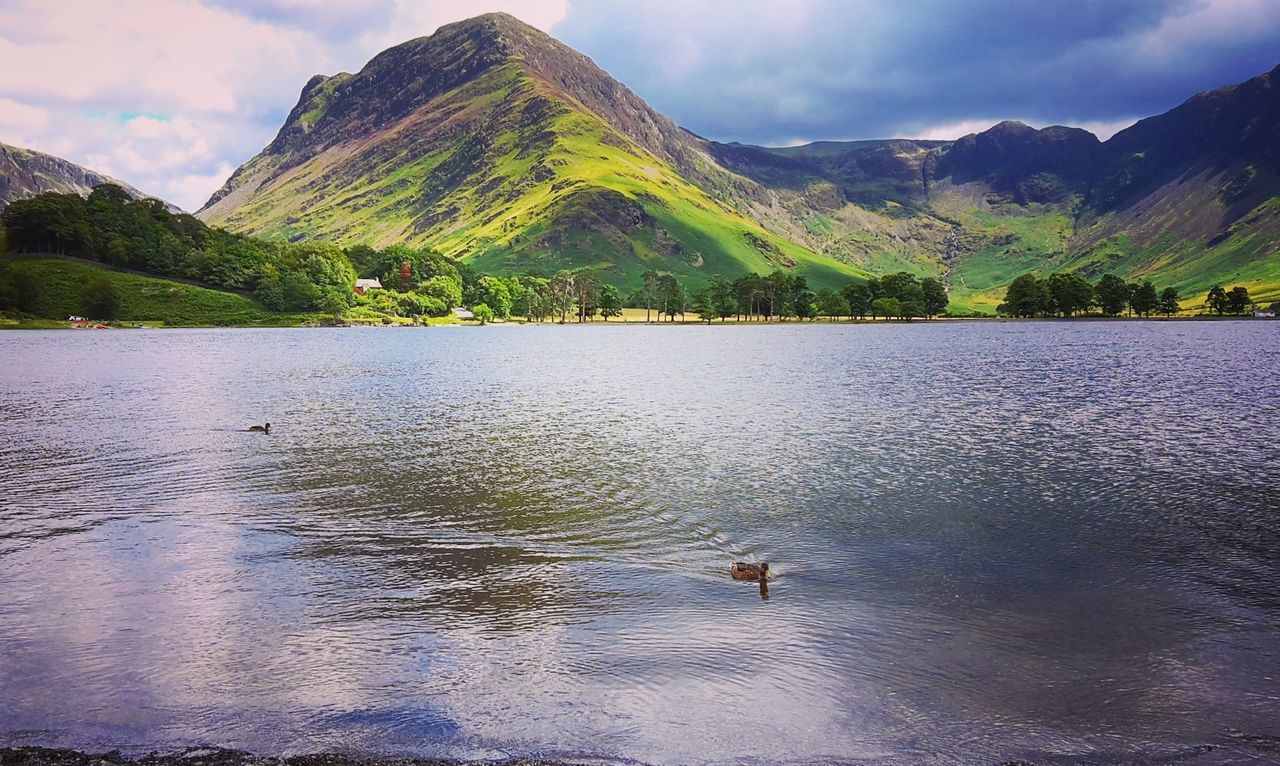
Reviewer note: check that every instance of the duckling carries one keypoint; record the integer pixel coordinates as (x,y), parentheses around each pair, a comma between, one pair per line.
(261,429)
(753,572)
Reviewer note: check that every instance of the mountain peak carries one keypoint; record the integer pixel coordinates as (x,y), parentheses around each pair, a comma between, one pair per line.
(496,20)
(491,54)
(1010,126)
(1008,153)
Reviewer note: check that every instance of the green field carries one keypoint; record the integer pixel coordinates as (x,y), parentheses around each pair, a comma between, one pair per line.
(61,284)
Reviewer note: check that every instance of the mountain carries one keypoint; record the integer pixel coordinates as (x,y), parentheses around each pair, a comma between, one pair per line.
(25,173)
(1189,199)
(496,144)
(493,142)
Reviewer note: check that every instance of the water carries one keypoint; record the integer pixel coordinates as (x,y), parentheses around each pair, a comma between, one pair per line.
(991,541)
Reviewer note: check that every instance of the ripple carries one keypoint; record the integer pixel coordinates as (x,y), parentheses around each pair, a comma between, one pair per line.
(992,541)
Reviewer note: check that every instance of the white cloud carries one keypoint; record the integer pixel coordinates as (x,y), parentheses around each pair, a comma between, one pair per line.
(193,186)
(176,55)
(171,96)
(953,130)
(1103,129)
(1208,23)
(21,116)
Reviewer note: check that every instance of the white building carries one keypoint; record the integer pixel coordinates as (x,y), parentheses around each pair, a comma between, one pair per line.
(365,285)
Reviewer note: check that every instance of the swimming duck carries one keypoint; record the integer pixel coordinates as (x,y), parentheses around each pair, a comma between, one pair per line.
(260,429)
(753,572)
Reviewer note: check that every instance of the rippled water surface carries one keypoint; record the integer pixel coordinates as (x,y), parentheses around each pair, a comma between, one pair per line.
(992,541)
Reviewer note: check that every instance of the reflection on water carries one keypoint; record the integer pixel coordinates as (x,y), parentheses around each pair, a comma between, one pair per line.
(991,541)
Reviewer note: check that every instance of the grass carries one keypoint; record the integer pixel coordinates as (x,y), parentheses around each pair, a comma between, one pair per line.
(150,300)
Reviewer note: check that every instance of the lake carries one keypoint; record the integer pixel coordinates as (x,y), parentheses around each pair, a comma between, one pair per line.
(991,541)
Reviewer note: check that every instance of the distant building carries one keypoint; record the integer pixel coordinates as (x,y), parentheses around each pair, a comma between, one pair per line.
(1267,313)
(365,285)
(462,313)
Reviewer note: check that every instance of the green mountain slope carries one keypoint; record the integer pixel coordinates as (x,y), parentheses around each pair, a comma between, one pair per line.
(495,144)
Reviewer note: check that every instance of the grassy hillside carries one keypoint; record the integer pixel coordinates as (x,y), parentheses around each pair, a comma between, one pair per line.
(508,170)
(62,284)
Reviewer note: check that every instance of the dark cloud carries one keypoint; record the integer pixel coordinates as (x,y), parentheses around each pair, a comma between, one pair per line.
(771,72)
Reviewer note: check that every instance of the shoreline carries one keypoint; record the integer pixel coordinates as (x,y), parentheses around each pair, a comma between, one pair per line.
(33,755)
(56,324)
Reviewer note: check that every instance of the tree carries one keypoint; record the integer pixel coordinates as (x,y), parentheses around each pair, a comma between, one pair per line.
(482,313)
(671,296)
(334,303)
(610,302)
(800,300)
(703,306)
(586,293)
(1169,301)
(773,289)
(651,279)
(494,293)
(442,288)
(364,259)
(101,300)
(886,307)
(537,298)
(1238,300)
(831,304)
(562,294)
(902,285)
(721,294)
(858,296)
(1143,299)
(935,296)
(748,290)
(1216,300)
(19,289)
(1113,294)
(1026,296)
(1069,293)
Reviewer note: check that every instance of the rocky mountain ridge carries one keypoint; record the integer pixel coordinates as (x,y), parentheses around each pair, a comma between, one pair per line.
(25,173)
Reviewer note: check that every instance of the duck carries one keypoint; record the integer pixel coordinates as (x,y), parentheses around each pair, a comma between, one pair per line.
(753,572)
(265,429)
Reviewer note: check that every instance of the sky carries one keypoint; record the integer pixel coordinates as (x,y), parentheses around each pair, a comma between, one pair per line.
(172,95)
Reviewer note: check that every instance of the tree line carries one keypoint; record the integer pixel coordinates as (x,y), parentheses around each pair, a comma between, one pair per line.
(581,296)
(780,296)
(1069,294)
(110,227)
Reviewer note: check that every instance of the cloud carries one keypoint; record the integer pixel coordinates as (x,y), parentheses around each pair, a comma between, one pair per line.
(171,95)
(1103,129)
(21,119)
(767,72)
